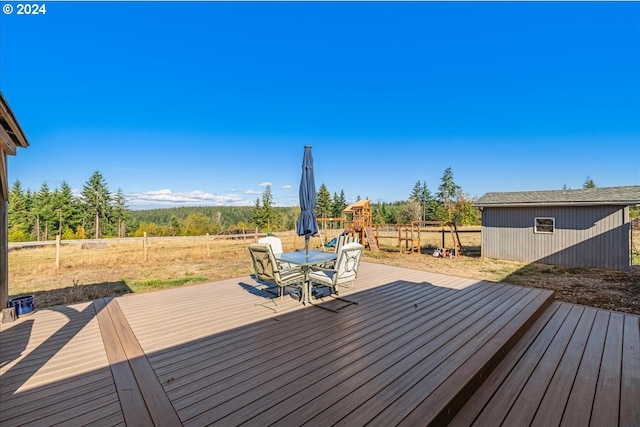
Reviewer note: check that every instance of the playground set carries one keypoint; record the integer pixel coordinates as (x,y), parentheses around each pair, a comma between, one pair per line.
(358,222)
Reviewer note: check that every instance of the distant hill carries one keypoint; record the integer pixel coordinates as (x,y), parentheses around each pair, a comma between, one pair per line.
(227,216)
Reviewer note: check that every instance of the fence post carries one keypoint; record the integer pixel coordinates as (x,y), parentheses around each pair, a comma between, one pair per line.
(144,246)
(58,252)
(207,240)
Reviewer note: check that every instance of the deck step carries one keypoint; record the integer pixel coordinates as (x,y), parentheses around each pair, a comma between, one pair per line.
(452,394)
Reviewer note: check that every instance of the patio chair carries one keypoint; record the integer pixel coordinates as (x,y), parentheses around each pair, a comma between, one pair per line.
(343,274)
(275,242)
(267,272)
(276,246)
(342,239)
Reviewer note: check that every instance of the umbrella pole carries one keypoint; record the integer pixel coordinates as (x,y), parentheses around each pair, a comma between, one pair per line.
(306,245)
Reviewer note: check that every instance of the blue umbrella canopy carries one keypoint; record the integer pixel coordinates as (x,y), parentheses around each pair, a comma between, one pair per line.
(307,225)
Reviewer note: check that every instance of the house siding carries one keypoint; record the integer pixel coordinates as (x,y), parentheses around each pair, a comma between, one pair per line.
(593,236)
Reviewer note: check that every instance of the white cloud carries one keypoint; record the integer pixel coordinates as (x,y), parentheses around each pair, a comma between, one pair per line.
(191,198)
(252,192)
(287,187)
(264,184)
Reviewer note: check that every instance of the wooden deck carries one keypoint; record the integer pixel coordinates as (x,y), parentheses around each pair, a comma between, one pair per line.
(418,349)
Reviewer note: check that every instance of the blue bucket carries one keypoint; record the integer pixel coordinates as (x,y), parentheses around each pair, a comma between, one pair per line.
(23,305)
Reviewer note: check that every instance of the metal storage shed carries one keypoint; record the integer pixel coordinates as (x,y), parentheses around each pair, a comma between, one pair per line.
(572,228)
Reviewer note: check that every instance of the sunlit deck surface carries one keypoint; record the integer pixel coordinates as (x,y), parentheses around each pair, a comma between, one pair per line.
(418,349)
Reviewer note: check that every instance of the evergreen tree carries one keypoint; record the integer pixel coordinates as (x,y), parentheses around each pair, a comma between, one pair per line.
(44,212)
(390,214)
(430,205)
(588,183)
(29,197)
(343,203)
(120,213)
(378,214)
(256,217)
(447,194)
(18,214)
(335,203)
(339,204)
(175,225)
(422,195)
(323,208)
(67,210)
(268,215)
(416,192)
(96,202)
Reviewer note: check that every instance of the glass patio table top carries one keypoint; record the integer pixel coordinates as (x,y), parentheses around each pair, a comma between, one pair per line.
(300,258)
(306,261)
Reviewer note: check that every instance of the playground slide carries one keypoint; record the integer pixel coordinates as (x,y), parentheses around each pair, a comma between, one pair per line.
(333,242)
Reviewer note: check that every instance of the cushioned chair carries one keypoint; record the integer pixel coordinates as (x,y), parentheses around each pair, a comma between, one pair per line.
(275,242)
(341,240)
(267,272)
(276,246)
(344,272)
(344,239)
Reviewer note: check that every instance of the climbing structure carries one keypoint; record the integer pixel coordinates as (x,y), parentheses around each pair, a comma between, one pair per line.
(359,222)
(409,236)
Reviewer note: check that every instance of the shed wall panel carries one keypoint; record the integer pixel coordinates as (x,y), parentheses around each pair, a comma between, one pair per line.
(594,236)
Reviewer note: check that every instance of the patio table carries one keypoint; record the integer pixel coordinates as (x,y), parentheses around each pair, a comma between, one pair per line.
(306,261)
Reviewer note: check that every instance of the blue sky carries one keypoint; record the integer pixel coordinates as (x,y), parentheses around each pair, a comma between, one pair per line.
(207,102)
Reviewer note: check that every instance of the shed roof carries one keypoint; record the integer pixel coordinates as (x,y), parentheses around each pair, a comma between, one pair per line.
(624,196)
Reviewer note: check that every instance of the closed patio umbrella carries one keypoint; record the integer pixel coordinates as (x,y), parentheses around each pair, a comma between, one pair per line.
(307,225)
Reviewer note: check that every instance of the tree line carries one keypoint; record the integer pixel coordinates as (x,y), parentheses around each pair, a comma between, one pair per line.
(45,213)
(98,212)
(448,204)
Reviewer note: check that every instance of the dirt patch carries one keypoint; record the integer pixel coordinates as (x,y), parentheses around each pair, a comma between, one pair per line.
(611,290)
(618,291)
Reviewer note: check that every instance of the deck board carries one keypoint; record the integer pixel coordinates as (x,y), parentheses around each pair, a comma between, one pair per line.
(338,377)
(54,369)
(568,369)
(525,406)
(417,348)
(585,383)
(392,384)
(608,385)
(484,352)
(552,405)
(155,399)
(630,387)
(133,406)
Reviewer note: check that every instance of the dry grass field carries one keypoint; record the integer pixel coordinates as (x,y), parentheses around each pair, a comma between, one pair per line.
(91,270)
